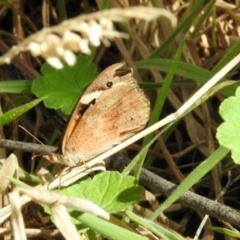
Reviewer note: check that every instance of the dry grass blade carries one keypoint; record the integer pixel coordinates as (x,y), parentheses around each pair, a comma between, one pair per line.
(52,199)
(63,222)
(6,211)
(71,174)
(58,204)
(17,218)
(76,35)
(65,178)
(8,168)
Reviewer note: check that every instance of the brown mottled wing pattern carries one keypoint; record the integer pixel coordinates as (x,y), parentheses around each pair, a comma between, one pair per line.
(112,109)
(93,91)
(119,113)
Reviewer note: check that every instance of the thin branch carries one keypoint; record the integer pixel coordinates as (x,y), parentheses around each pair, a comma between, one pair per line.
(26,147)
(189,199)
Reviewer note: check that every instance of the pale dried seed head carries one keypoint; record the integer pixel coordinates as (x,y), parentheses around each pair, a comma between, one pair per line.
(75,35)
(71,41)
(44,47)
(60,50)
(82,27)
(71,37)
(34,48)
(106,23)
(95,33)
(83,46)
(106,42)
(69,57)
(55,62)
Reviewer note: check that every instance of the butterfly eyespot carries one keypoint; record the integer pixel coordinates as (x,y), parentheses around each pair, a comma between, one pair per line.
(109,84)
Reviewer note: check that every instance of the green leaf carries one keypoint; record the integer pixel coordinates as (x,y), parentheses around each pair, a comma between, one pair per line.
(159,103)
(109,190)
(228,133)
(192,178)
(226,232)
(185,70)
(62,88)
(18,183)
(16,86)
(6,3)
(17,112)
(183,27)
(160,231)
(107,229)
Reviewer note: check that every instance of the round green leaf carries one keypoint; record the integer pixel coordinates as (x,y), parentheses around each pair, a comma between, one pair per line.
(228,133)
(62,88)
(109,190)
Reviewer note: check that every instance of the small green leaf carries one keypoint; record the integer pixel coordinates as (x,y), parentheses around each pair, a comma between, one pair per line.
(62,88)
(226,232)
(17,112)
(108,229)
(159,230)
(109,190)
(228,133)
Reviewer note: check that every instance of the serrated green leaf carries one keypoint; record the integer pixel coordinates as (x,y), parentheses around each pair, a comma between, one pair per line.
(62,88)
(228,133)
(17,112)
(109,190)
(16,86)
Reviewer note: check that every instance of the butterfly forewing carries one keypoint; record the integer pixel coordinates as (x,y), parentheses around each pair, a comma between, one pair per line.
(108,122)
(92,93)
(111,114)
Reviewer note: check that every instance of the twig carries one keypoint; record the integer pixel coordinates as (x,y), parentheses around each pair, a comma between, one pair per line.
(26,147)
(229,184)
(189,199)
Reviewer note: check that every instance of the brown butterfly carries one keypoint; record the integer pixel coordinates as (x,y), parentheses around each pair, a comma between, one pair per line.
(112,109)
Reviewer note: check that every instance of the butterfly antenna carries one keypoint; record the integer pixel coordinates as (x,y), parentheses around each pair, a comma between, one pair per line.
(24,129)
